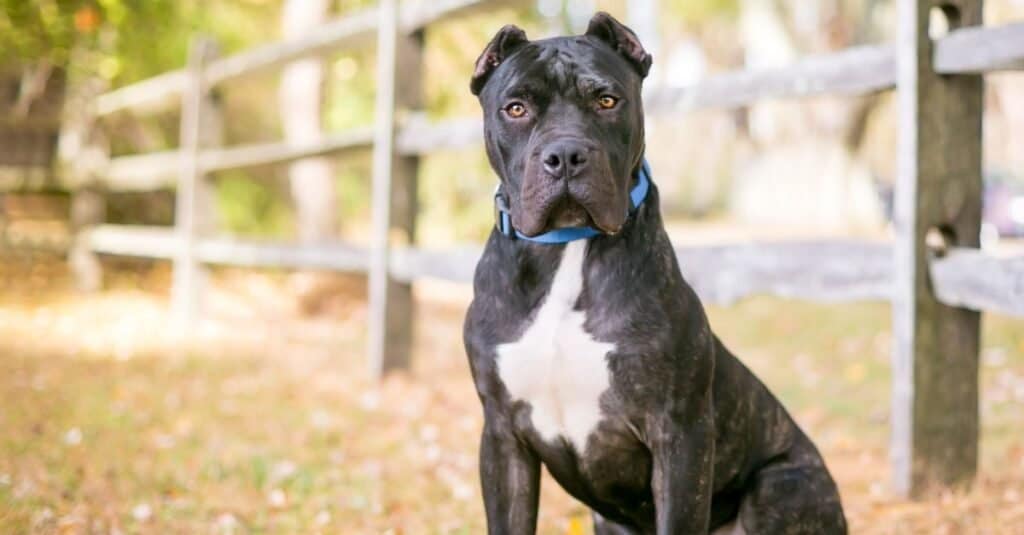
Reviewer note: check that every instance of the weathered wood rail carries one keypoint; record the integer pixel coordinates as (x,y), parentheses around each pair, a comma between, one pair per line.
(936,291)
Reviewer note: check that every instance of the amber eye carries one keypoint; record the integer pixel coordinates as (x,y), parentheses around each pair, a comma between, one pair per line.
(607,102)
(515,110)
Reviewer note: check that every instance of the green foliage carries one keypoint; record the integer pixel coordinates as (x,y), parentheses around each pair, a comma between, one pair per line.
(455,197)
(351,88)
(152,36)
(125,40)
(29,30)
(352,180)
(251,207)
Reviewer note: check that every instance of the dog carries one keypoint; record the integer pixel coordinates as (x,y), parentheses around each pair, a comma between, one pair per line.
(590,353)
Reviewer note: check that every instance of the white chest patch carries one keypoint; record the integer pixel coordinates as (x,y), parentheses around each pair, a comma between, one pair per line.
(557,366)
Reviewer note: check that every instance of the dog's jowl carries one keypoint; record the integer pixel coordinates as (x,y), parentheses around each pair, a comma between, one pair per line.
(591,354)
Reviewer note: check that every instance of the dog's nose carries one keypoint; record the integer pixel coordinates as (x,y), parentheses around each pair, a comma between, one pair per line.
(564,158)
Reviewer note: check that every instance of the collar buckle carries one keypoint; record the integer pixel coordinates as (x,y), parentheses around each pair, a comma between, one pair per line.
(502,219)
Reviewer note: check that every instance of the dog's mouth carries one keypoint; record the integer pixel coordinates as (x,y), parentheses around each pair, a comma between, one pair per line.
(567,211)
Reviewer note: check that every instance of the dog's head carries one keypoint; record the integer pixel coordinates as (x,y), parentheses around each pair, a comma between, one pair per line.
(563,123)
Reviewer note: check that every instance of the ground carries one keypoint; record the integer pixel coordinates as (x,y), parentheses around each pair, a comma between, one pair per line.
(268,423)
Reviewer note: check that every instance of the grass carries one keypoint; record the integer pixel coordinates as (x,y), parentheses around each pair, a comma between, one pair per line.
(268,425)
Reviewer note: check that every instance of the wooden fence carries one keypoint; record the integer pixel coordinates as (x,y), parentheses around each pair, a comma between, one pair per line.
(933,273)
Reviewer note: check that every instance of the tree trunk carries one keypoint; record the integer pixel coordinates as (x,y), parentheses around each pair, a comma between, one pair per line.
(301,100)
(301,104)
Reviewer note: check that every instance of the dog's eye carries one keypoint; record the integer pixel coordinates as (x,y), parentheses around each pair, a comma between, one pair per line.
(516,110)
(607,102)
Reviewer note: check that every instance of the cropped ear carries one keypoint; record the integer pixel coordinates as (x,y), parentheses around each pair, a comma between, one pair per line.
(508,39)
(622,40)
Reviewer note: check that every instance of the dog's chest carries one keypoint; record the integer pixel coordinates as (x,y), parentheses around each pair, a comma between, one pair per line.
(557,367)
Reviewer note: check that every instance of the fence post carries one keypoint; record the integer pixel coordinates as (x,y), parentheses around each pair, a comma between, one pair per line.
(193,214)
(83,154)
(404,203)
(938,200)
(88,208)
(399,65)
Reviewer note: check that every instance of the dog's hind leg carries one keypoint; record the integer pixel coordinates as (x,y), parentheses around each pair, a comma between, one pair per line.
(790,499)
(603,526)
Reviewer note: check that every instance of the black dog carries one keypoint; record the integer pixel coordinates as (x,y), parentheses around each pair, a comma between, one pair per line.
(589,351)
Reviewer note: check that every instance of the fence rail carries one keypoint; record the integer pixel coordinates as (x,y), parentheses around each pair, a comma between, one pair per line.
(831,271)
(156,170)
(854,71)
(934,292)
(851,72)
(972,279)
(979,50)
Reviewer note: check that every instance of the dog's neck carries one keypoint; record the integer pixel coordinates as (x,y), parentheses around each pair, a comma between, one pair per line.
(525,268)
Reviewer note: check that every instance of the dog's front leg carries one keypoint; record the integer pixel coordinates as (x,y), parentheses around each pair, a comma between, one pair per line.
(510,480)
(682,476)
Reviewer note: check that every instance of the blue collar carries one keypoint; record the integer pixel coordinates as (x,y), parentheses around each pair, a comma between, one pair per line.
(565,235)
